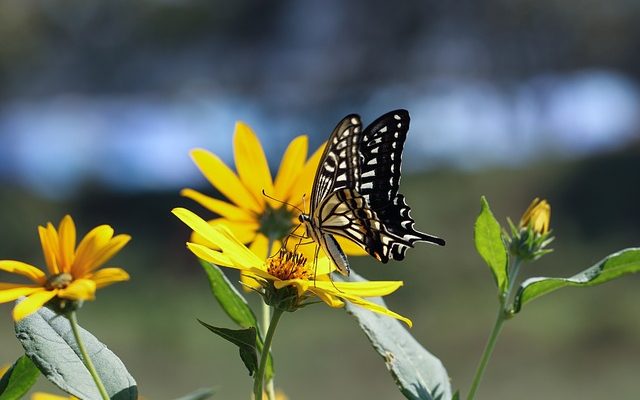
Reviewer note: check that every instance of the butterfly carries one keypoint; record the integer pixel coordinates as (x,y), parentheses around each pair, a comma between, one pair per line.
(355,192)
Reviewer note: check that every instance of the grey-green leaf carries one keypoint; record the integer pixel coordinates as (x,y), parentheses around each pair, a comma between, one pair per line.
(234,304)
(245,339)
(418,373)
(17,381)
(615,265)
(490,246)
(48,341)
(200,394)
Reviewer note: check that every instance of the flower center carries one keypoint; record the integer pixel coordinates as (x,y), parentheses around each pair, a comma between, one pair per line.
(58,281)
(288,265)
(275,222)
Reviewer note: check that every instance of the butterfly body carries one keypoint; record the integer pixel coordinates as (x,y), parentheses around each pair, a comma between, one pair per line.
(355,191)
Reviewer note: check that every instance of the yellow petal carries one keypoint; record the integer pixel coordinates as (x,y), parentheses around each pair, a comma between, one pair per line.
(376,308)
(212,256)
(362,289)
(48,251)
(302,188)
(32,303)
(47,396)
(89,246)
(252,165)
(12,291)
(245,232)
(258,247)
(20,268)
(219,237)
(349,247)
(79,289)
(106,276)
(290,167)
(225,180)
(328,299)
(105,253)
(67,239)
(4,369)
(222,208)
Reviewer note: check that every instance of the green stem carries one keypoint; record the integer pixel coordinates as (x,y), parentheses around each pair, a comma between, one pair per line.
(266,317)
(257,384)
(503,315)
(85,357)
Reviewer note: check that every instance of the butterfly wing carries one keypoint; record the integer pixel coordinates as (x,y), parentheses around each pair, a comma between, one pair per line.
(339,164)
(381,148)
(346,213)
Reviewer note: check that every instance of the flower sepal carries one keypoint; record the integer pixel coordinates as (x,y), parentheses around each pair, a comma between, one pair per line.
(285,299)
(64,306)
(526,243)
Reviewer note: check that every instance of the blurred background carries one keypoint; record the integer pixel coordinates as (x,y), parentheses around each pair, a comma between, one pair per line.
(101,101)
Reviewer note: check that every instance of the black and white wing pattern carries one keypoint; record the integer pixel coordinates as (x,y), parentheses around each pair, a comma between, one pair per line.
(380,149)
(355,191)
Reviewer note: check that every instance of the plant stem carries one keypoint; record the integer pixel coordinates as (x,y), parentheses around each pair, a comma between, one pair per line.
(257,384)
(266,316)
(503,315)
(85,356)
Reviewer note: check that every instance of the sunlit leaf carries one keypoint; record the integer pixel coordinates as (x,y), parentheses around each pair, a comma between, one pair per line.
(613,266)
(418,373)
(49,342)
(17,381)
(245,339)
(490,246)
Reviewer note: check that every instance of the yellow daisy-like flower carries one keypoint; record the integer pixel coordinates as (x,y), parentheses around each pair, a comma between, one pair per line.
(256,218)
(537,216)
(284,270)
(73,272)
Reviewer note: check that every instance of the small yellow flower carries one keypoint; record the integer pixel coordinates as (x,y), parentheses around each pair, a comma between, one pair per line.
(47,396)
(537,216)
(285,270)
(252,216)
(73,272)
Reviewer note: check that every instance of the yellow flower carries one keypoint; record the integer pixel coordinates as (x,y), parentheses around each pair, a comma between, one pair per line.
(252,216)
(284,270)
(537,216)
(73,272)
(47,396)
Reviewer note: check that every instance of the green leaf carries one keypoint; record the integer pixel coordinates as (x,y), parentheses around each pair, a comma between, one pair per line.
(232,302)
(200,394)
(418,373)
(489,244)
(613,266)
(245,339)
(17,381)
(235,305)
(49,342)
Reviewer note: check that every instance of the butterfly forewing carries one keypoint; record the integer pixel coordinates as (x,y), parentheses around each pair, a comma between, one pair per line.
(339,164)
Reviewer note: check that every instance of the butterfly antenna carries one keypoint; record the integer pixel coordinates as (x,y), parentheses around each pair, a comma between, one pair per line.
(280,201)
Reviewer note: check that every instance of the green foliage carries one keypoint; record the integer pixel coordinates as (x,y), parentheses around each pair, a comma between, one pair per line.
(418,373)
(235,305)
(245,339)
(611,267)
(490,246)
(48,341)
(17,381)
(232,302)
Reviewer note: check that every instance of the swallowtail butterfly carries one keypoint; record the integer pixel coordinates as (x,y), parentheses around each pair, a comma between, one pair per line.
(355,191)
